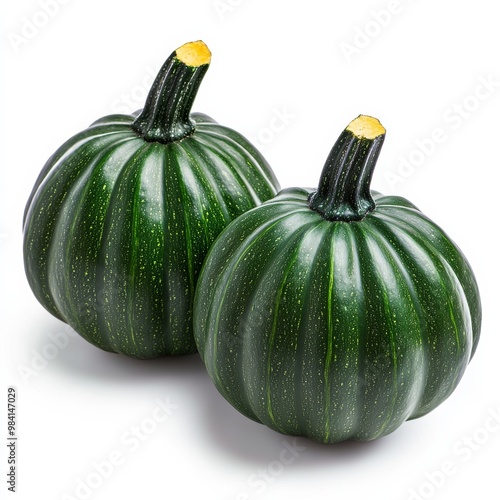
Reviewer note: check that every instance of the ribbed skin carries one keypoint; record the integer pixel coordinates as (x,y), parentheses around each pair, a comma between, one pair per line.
(335,330)
(117,227)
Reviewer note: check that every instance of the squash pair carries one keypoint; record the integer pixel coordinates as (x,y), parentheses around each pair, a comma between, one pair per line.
(336,313)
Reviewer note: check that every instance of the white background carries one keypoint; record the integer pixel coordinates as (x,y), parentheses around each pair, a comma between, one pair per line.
(418,73)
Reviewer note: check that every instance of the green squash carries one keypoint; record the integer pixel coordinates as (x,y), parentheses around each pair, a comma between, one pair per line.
(122,215)
(337,313)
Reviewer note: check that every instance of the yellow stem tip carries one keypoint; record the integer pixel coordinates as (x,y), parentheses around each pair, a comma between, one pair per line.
(366,127)
(194,54)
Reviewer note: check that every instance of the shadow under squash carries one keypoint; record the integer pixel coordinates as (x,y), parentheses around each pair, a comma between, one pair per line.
(222,426)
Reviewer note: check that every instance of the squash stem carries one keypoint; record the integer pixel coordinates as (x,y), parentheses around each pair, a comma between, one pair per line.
(166,114)
(343,193)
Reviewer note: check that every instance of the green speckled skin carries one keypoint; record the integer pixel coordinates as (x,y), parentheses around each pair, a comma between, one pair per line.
(335,330)
(122,215)
(117,227)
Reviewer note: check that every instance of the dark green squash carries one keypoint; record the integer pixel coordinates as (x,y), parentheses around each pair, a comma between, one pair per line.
(120,219)
(337,313)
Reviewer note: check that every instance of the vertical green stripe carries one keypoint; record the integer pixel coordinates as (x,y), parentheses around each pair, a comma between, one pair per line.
(329,352)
